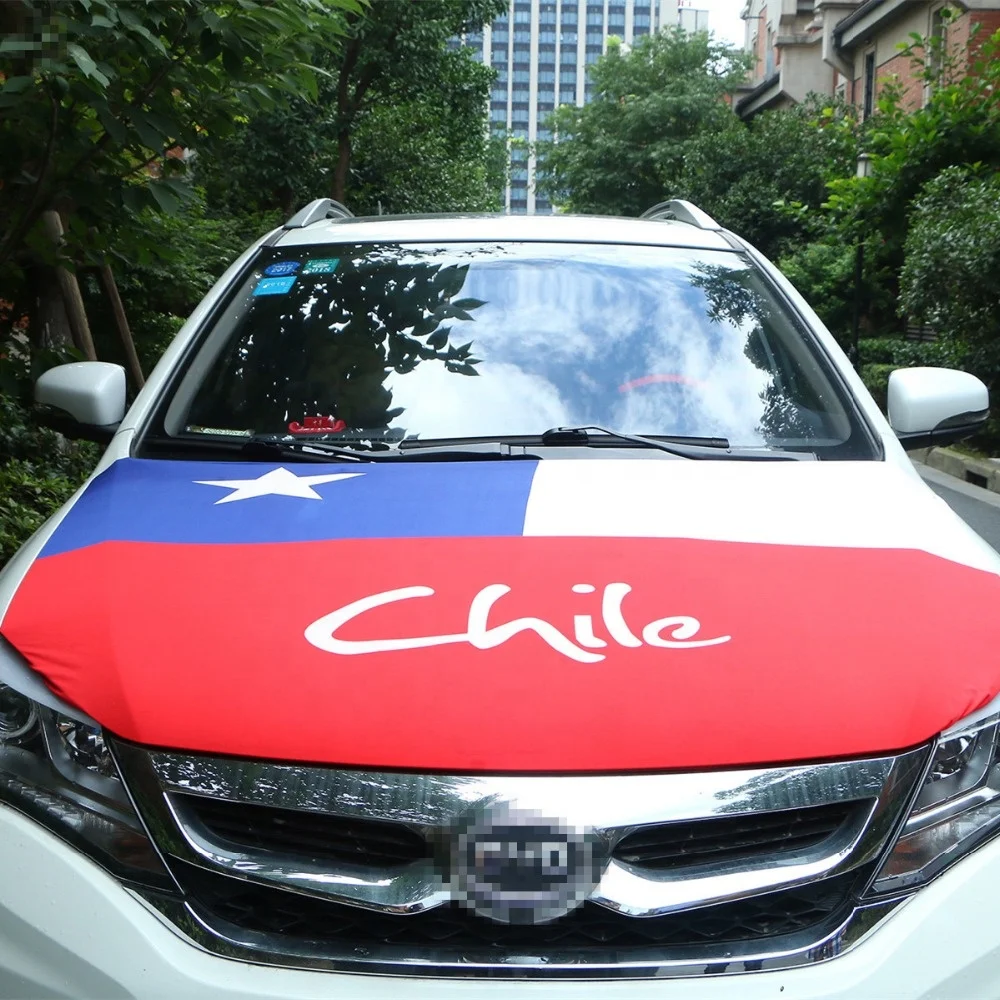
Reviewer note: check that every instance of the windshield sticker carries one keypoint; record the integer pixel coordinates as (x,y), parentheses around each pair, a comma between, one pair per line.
(274,286)
(317,425)
(326,266)
(282,268)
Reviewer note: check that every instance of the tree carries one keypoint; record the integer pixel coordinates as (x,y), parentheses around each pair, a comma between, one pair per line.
(959,125)
(427,148)
(337,348)
(420,144)
(951,275)
(96,93)
(393,48)
(625,150)
(739,174)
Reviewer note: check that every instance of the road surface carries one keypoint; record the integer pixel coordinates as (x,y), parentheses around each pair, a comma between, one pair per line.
(979,508)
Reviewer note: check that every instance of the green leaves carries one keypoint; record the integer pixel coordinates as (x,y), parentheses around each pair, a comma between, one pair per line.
(87,65)
(95,92)
(625,150)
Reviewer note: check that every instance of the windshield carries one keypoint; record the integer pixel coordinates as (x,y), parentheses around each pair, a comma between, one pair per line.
(369,344)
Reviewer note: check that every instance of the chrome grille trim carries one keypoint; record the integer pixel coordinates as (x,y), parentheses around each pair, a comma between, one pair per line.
(792,952)
(614,805)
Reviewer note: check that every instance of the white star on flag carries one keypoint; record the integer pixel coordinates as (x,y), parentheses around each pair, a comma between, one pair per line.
(276,483)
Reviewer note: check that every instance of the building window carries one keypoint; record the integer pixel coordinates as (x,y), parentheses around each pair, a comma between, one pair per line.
(640,29)
(499,36)
(544,135)
(548,37)
(522,15)
(937,48)
(567,76)
(567,96)
(546,76)
(547,16)
(868,105)
(569,38)
(568,55)
(592,55)
(498,114)
(521,76)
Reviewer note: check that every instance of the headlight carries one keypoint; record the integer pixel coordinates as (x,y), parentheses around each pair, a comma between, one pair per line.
(956,808)
(59,771)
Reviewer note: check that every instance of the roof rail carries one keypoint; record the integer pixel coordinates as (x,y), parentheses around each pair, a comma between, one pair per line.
(316,211)
(681,211)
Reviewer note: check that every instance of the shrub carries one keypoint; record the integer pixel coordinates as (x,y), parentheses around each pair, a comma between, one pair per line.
(876,380)
(901,353)
(951,274)
(29,493)
(824,273)
(766,180)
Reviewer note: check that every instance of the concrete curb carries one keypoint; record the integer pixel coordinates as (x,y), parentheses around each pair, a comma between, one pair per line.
(982,472)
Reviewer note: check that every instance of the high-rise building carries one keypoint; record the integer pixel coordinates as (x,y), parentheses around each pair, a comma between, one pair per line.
(691,20)
(541,50)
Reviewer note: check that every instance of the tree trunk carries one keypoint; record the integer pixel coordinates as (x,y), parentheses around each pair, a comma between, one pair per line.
(121,321)
(343,166)
(48,324)
(70,289)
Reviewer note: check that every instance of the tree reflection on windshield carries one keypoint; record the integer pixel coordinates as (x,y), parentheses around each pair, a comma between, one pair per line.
(792,408)
(328,345)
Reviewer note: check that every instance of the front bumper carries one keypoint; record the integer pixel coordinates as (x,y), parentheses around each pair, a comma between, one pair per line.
(67,929)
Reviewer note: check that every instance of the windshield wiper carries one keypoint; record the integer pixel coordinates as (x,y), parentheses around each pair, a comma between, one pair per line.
(253,449)
(682,447)
(262,449)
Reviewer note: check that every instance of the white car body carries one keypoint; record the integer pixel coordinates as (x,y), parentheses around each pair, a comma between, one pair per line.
(69,927)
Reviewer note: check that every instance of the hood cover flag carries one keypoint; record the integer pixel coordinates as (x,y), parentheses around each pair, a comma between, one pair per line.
(587,615)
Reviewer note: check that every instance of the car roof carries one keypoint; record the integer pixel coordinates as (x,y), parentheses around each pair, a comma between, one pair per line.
(535,228)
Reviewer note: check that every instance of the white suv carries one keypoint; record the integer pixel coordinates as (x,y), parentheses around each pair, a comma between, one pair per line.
(534,600)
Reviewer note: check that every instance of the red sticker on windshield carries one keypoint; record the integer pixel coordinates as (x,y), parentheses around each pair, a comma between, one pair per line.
(317,425)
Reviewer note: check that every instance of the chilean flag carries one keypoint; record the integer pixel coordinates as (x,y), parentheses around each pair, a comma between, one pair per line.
(514,616)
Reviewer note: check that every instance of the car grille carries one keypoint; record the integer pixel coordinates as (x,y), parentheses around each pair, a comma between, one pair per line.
(294,833)
(707,841)
(273,911)
(332,868)
(376,843)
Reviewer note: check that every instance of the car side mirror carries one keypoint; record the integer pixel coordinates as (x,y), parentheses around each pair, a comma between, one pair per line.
(934,406)
(88,398)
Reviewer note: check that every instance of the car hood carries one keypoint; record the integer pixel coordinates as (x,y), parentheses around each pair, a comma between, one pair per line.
(584,615)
